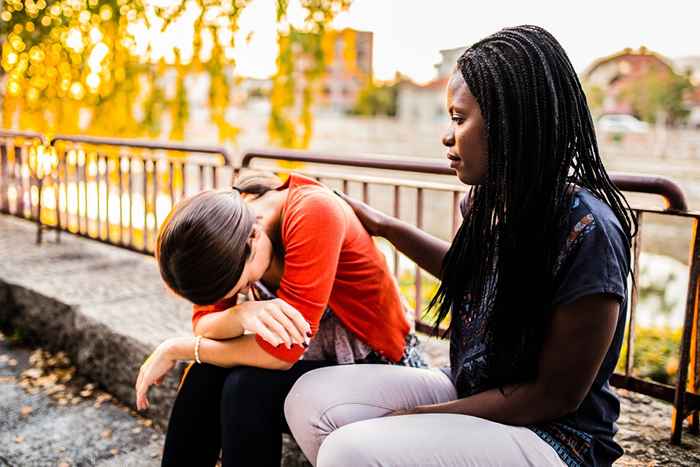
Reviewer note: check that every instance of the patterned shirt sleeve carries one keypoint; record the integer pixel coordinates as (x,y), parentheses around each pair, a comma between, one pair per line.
(594,259)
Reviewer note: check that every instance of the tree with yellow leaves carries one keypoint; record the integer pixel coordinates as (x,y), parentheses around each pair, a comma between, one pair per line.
(71,66)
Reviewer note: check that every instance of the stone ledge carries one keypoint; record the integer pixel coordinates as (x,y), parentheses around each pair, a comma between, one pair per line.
(106,307)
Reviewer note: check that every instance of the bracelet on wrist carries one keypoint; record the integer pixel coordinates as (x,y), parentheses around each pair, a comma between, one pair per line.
(197,342)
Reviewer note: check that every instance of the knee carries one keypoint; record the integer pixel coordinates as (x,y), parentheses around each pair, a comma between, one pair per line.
(240,388)
(304,404)
(346,446)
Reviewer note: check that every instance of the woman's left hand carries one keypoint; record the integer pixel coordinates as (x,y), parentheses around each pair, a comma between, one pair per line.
(153,370)
(396,413)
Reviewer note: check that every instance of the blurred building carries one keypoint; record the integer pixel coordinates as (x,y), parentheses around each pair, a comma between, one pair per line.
(348,55)
(613,74)
(426,102)
(448,61)
(690,66)
(422,102)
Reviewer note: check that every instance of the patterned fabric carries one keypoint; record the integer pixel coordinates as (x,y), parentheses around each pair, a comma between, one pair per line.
(336,343)
(594,258)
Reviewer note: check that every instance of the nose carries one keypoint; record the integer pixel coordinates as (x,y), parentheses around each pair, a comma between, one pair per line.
(448,139)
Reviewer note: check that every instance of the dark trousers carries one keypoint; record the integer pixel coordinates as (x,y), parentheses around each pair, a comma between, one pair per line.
(239,410)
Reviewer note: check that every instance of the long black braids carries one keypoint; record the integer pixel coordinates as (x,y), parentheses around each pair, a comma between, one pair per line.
(541,143)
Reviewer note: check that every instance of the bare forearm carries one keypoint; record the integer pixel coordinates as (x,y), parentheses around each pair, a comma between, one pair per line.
(243,350)
(424,249)
(521,405)
(220,325)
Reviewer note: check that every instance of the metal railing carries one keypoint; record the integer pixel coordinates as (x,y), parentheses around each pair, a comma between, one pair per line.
(119,191)
(684,395)
(112,190)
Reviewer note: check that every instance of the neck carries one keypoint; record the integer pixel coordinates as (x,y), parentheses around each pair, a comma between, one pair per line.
(268,211)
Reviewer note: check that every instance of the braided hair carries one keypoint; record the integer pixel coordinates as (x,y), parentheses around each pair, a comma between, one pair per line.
(541,142)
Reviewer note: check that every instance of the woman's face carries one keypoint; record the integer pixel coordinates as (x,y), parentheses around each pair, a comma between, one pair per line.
(258,261)
(467,147)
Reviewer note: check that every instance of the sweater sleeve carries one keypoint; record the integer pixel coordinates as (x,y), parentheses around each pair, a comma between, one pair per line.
(200,310)
(313,232)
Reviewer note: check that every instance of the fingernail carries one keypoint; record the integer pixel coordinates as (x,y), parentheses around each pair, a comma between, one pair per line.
(305,345)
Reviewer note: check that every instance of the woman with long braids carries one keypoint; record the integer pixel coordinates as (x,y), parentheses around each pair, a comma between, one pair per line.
(534,285)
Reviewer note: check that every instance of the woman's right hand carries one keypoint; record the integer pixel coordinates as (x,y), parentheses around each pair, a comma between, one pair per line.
(275,321)
(372,220)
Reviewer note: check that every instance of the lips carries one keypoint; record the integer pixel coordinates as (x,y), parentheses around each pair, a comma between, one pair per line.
(454,160)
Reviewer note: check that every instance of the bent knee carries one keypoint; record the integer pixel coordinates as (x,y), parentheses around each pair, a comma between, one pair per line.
(241,386)
(305,402)
(350,445)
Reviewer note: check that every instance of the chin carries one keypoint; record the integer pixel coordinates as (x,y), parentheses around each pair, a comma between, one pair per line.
(469,178)
(466,178)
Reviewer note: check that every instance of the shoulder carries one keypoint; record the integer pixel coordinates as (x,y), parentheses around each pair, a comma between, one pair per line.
(313,199)
(312,209)
(590,218)
(594,256)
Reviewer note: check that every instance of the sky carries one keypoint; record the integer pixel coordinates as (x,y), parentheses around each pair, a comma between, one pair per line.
(408,34)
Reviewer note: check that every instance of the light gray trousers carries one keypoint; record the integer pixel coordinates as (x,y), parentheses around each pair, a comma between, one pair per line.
(337,415)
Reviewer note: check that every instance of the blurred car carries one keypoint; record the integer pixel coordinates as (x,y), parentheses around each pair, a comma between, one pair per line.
(622,123)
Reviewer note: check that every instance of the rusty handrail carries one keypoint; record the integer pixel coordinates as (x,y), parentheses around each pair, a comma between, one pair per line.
(653,184)
(23,134)
(673,195)
(145,144)
(367,161)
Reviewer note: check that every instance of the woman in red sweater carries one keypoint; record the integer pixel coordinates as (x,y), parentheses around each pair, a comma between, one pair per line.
(336,302)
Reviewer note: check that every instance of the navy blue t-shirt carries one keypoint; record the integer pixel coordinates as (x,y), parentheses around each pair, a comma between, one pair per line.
(594,259)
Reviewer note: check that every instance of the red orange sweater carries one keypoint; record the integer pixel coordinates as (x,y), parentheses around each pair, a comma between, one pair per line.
(330,260)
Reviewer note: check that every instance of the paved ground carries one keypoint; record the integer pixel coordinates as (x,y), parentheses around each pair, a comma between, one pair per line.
(106,308)
(54,417)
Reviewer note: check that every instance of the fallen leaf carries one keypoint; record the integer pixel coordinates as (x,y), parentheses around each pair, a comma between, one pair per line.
(8,379)
(12,362)
(106,434)
(55,389)
(85,393)
(147,423)
(19,439)
(103,398)
(63,401)
(25,410)
(114,451)
(32,373)
(64,464)
(137,430)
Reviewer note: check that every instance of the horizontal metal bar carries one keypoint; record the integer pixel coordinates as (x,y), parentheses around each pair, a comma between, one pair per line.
(653,184)
(386,181)
(664,392)
(23,134)
(364,161)
(671,192)
(144,144)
